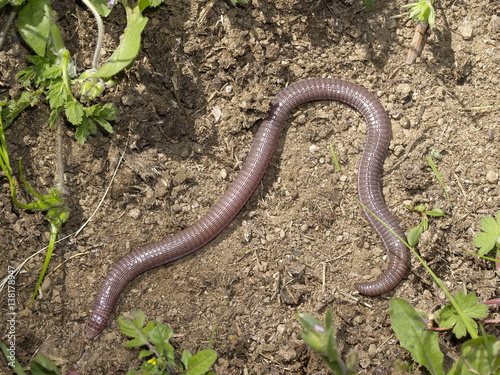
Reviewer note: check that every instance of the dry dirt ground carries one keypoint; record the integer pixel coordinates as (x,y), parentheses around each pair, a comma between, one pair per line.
(188,109)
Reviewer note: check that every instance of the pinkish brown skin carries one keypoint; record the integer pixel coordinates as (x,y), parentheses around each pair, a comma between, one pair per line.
(239,191)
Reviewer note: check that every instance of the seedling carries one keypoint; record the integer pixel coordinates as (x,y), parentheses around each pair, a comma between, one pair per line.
(53,202)
(335,159)
(423,11)
(321,338)
(159,357)
(414,233)
(431,163)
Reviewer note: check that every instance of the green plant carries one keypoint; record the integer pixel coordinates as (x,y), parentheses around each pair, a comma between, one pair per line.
(368,5)
(431,163)
(478,354)
(159,355)
(53,203)
(414,233)
(321,338)
(423,11)
(52,73)
(51,77)
(238,2)
(489,238)
(40,365)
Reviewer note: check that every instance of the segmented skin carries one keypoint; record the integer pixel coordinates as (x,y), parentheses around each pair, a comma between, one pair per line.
(239,191)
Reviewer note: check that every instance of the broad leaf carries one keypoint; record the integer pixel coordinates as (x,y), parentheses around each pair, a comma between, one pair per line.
(127,50)
(410,329)
(34,24)
(201,362)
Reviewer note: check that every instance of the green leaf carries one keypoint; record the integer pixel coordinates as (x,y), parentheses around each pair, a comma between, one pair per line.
(414,235)
(131,327)
(201,362)
(490,237)
(34,24)
(423,11)
(54,116)
(368,5)
(83,130)
(74,112)
(410,328)
(52,71)
(107,111)
(186,354)
(58,94)
(127,50)
(448,317)
(143,4)
(43,366)
(481,354)
(435,212)
(145,353)
(159,337)
(102,7)
(11,360)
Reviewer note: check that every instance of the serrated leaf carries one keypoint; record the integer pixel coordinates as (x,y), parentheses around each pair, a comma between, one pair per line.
(449,318)
(74,112)
(127,50)
(107,111)
(53,71)
(58,94)
(131,327)
(411,331)
(34,24)
(54,116)
(488,239)
(83,130)
(105,125)
(201,362)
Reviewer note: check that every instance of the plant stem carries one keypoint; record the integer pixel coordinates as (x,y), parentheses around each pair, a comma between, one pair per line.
(7,26)
(463,317)
(56,37)
(60,160)
(452,300)
(100,33)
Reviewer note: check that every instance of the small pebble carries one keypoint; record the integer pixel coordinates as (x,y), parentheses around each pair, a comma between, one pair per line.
(466,29)
(223,174)
(313,148)
(403,89)
(134,213)
(304,227)
(492,177)
(197,148)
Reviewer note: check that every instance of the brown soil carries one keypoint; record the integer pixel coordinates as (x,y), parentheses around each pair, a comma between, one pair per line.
(188,109)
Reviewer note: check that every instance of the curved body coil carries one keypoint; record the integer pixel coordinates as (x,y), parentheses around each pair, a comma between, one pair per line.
(239,191)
